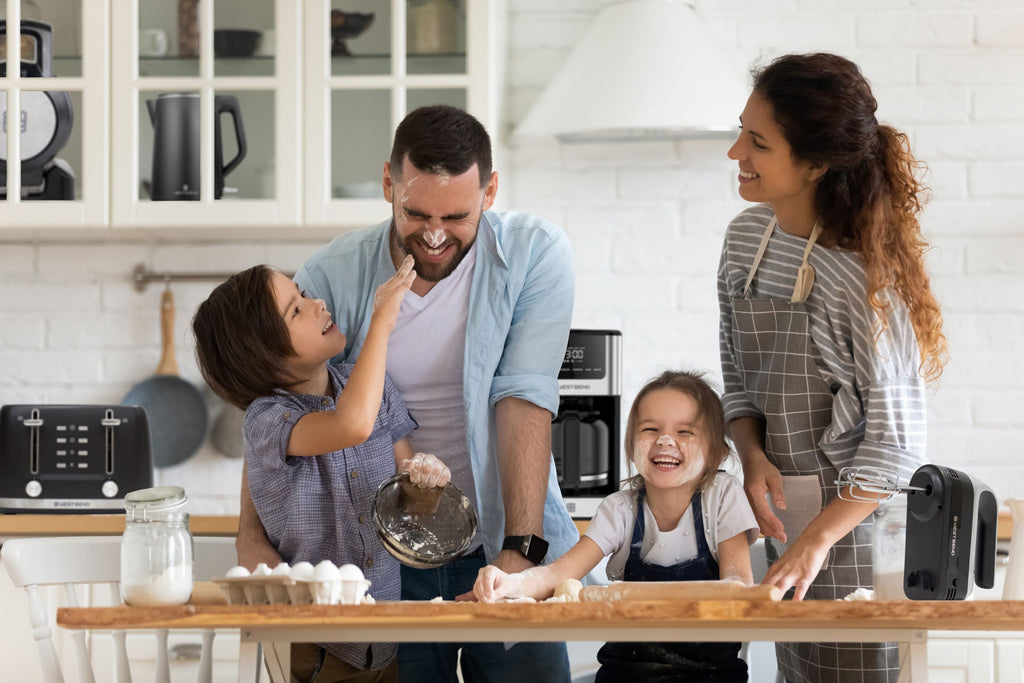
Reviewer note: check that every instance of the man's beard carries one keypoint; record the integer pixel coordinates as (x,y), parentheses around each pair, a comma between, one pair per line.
(431,272)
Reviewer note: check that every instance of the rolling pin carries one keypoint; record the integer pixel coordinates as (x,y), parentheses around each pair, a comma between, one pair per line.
(678,590)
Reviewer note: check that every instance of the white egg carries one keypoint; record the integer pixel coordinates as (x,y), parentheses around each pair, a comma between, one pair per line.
(282,569)
(302,570)
(325,571)
(350,572)
(261,570)
(236,572)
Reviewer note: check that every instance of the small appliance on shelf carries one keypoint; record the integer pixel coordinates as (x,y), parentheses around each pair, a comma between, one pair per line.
(47,118)
(72,458)
(585,433)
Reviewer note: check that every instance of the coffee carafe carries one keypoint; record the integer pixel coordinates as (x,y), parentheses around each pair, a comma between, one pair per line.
(175,118)
(585,432)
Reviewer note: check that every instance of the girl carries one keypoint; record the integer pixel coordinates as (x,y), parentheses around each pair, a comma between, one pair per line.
(680,520)
(828,331)
(319,438)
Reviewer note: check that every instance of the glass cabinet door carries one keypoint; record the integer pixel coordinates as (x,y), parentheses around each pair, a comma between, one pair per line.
(370,62)
(59,90)
(212,93)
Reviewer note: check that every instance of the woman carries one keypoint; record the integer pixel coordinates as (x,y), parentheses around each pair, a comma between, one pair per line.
(829,330)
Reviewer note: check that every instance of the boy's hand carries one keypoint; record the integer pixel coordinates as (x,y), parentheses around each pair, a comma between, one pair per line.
(426,470)
(492,585)
(388,299)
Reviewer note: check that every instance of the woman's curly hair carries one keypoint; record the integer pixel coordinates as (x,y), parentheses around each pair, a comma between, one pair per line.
(869,199)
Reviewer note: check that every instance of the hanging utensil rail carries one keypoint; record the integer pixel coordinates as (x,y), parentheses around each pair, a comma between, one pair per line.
(142,276)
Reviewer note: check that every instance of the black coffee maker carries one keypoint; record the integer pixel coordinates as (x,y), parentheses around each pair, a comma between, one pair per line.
(46,119)
(585,433)
(175,118)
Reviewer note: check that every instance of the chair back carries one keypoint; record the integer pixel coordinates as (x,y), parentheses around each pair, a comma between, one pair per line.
(69,561)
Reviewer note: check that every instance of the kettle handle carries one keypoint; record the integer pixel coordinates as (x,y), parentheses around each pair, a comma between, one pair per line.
(229,104)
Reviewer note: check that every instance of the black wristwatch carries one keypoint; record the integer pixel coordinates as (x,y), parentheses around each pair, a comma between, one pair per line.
(532,547)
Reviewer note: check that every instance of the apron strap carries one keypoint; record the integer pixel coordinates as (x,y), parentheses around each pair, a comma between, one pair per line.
(804,276)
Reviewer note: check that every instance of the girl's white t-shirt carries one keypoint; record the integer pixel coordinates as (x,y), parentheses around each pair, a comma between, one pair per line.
(726,513)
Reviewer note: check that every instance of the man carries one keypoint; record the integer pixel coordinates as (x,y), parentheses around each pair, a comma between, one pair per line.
(475,354)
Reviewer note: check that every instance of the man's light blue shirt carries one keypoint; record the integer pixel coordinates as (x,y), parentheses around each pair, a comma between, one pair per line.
(520,310)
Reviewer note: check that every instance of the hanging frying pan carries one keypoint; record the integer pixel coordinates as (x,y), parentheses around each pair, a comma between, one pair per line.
(176,409)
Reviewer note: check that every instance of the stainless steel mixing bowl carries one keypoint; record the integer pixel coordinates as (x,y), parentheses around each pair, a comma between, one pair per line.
(422,527)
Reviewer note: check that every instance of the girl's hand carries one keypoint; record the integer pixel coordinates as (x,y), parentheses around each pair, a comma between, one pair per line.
(492,585)
(759,478)
(388,299)
(426,470)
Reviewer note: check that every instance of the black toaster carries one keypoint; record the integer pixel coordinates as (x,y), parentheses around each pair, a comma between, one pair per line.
(73,458)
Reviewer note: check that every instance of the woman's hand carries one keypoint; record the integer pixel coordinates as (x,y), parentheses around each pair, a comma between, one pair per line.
(492,584)
(426,471)
(798,566)
(388,298)
(759,478)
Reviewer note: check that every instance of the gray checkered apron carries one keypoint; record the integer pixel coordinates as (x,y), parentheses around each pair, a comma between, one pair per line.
(775,357)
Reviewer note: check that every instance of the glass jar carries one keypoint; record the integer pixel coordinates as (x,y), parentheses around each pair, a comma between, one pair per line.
(890,548)
(156,549)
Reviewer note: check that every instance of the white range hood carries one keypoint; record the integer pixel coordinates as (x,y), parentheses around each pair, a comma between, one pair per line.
(645,69)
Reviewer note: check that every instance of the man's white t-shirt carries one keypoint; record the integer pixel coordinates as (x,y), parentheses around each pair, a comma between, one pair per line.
(425,361)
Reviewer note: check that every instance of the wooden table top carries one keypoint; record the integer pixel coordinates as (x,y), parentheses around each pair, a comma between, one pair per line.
(995,615)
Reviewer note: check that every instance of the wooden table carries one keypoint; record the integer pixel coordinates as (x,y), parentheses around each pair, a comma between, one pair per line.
(907,622)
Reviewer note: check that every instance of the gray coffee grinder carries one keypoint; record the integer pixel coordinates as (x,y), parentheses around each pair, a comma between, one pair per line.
(175,118)
(585,433)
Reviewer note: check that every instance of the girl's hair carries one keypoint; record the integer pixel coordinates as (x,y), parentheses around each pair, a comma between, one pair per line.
(709,413)
(869,198)
(241,338)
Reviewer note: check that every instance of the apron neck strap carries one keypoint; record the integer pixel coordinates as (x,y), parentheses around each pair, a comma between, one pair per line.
(804,276)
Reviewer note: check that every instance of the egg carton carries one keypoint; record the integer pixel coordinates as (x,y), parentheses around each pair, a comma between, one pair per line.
(286,590)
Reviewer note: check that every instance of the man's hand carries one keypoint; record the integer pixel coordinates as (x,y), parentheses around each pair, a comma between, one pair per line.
(508,561)
(251,543)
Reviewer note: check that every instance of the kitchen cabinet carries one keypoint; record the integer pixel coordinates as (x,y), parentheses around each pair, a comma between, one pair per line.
(978,657)
(320,88)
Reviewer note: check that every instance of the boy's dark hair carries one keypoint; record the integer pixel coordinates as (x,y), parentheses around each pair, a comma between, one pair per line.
(709,412)
(241,338)
(442,139)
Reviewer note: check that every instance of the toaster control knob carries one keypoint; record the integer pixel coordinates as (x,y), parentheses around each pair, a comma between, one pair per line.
(33,489)
(109,489)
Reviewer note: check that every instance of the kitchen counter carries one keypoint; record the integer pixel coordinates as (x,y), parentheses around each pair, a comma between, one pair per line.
(33,526)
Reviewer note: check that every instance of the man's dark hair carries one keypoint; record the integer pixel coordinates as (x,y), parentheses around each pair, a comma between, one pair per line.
(442,139)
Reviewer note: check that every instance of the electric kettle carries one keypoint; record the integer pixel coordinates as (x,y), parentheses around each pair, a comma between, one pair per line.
(175,118)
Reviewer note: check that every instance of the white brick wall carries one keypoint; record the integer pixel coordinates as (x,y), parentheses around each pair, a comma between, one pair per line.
(646,221)
(951,74)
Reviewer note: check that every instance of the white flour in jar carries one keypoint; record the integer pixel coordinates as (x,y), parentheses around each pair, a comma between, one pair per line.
(171,587)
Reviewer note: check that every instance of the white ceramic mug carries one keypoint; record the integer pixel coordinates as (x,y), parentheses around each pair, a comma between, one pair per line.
(153,42)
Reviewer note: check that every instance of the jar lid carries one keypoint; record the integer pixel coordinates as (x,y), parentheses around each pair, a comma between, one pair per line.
(159,499)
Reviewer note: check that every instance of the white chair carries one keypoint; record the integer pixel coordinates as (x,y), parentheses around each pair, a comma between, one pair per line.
(33,563)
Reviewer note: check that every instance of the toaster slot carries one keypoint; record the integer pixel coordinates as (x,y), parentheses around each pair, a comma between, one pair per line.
(34,423)
(109,422)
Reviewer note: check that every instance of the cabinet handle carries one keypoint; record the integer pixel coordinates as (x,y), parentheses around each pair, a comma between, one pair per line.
(186,652)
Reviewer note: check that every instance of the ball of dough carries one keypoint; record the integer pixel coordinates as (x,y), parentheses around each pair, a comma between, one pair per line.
(569,590)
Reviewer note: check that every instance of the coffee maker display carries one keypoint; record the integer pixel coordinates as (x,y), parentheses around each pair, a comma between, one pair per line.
(47,118)
(585,433)
(175,118)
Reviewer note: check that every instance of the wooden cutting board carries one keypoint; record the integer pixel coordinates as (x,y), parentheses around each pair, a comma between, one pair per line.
(678,590)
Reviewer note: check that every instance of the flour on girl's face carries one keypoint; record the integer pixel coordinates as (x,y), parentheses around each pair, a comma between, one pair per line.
(669,462)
